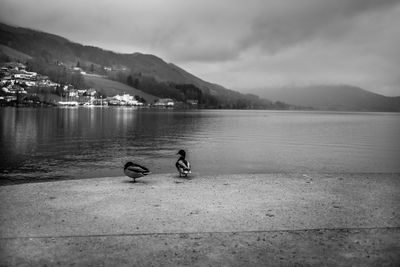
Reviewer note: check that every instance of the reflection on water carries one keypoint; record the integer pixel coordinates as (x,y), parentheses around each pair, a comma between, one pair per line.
(73,143)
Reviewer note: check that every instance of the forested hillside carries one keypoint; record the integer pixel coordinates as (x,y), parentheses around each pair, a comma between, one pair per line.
(54,56)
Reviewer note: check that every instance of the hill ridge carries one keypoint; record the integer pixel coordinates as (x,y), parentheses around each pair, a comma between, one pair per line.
(332,97)
(146,72)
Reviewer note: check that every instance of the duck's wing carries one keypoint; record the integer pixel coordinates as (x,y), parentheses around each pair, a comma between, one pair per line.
(133,174)
(187,168)
(183,164)
(184,167)
(138,169)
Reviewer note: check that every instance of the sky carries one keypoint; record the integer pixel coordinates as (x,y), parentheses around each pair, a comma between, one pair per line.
(238,44)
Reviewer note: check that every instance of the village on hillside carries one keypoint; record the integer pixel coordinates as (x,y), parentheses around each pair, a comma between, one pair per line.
(20,87)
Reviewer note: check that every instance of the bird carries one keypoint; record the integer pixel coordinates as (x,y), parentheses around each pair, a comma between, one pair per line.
(135,171)
(182,164)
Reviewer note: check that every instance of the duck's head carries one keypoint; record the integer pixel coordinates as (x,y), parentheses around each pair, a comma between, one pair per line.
(182,153)
(128,164)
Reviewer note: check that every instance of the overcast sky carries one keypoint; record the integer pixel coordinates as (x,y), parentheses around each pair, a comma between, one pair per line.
(238,44)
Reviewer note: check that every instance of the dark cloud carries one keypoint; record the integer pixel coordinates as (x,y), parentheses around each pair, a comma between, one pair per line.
(291,23)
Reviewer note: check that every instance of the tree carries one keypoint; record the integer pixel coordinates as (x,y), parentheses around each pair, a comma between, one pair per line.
(60,90)
(190,91)
(4,58)
(77,80)
(136,83)
(100,94)
(140,99)
(129,80)
(46,55)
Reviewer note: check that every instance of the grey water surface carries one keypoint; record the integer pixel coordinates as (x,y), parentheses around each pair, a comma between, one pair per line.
(73,143)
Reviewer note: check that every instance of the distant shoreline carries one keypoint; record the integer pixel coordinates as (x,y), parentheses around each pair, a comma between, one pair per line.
(168,108)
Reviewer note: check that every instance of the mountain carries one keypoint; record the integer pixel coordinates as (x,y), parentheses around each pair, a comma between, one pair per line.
(147,73)
(114,88)
(9,53)
(332,97)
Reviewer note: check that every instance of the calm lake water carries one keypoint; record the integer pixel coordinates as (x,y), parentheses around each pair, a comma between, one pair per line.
(58,143)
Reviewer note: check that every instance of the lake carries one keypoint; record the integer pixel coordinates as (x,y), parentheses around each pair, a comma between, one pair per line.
(70,143)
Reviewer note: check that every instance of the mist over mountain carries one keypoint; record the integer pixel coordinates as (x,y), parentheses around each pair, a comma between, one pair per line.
(331,97)
(147,73)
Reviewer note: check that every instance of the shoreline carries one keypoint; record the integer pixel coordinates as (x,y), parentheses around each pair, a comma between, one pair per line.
(10,182)
(239,220)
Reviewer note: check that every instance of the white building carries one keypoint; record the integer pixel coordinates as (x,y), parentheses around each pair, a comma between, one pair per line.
(72,93)
(164,102)
(128,100)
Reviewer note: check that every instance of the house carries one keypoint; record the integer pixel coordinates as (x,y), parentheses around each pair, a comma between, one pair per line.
(81,92)
(15,66)
(25,76)
(192,102)
(127,99)
(30,83)
(48,83)
(113,102)
(90,92)
(68,87)
(123,100)
(16,89)
(10,98)
(134,102)
(164,102)
(72,93)
(124,97)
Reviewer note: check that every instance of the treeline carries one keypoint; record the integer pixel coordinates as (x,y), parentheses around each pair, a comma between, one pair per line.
(189,92)
(178,92)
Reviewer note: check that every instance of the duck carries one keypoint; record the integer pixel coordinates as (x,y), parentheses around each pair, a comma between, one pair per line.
(135,171)
(182,164)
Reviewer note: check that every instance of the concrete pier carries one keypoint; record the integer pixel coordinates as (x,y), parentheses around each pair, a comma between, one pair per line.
(232,220)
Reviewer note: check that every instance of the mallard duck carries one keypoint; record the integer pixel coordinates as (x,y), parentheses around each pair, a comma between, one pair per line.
(135,171)
(182,164)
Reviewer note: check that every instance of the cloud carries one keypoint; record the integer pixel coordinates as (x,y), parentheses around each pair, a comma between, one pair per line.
(239,44)
(333,43)
(289,23)
(177,29)
(367,57)
(192,30)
